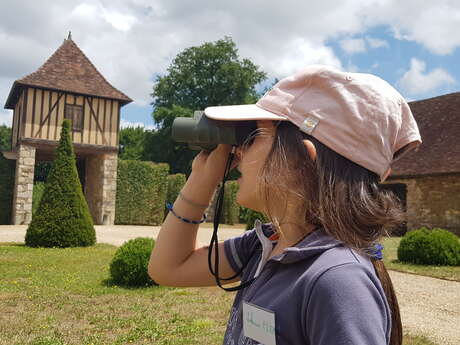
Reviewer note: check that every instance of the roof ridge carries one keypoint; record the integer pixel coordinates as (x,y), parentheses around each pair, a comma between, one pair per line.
(69,69)
(92,65)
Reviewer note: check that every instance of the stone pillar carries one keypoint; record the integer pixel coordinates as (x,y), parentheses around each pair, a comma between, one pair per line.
(101,187)
(23,185)
(109,188)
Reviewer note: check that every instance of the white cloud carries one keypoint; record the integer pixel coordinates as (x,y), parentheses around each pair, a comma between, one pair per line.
(433,24)
(359,45)
(6,117)
(353,45)
(302,53)
(131,41)
(125,124)
(376,42)
(118,20)
(416,81)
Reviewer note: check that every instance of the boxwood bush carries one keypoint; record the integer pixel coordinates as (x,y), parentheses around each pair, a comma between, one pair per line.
(62,218)
(130,263)
(430,247)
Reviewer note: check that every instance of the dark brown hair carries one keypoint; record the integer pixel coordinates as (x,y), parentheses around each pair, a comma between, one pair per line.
(336,194)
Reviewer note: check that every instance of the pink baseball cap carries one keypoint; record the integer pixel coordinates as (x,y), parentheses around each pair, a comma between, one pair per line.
(358,115)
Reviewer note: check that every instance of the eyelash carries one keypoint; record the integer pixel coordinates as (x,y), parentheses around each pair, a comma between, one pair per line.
(249,140)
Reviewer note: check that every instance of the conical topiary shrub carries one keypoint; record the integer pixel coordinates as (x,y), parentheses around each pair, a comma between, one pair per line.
(62,218)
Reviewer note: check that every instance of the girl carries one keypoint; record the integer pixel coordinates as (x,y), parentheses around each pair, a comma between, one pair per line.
(314,274)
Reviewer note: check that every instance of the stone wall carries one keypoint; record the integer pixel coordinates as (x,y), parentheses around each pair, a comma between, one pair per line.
(433,201)
(23,185)
(109,188)
(101,187)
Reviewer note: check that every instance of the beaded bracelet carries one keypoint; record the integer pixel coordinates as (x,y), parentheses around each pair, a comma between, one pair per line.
(189,221)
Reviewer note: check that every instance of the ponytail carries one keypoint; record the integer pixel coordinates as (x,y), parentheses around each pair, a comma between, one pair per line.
(396,326)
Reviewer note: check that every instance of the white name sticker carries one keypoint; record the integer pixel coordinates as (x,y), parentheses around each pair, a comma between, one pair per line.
(259,324)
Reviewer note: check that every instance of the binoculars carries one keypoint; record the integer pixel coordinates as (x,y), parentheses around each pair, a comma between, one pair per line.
(203,133)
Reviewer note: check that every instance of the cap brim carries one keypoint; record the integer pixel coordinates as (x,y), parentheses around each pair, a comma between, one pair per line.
(245,112)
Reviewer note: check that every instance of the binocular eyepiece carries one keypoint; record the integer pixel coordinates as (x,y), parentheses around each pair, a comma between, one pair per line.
(203,133)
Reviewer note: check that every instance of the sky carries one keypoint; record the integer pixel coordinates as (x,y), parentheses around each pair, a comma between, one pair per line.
(412,44)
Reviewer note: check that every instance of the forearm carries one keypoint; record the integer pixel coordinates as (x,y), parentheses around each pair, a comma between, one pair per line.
(177,239)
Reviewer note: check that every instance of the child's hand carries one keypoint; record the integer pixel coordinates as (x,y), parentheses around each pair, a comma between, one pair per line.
(210,166)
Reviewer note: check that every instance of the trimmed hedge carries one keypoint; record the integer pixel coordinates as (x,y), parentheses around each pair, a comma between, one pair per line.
(129,265)
(62,218)
(175,184)
(141,192)
(430,247)
(231,210)
(7,170)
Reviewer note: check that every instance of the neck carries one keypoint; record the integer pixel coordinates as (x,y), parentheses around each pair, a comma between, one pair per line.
(292,233)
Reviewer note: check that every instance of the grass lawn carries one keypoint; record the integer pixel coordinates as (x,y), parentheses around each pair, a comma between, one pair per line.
(62,296)
(390,258)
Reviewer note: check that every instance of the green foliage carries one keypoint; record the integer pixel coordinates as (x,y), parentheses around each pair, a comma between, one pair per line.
(41,171)
(210,74)
(141,192)
(132,143)
(39,189)
(7,170)
(250,216)
(5,138)
(159,147)
(231,210)
(130,263)
(430,247)
(62,218)
(175,184)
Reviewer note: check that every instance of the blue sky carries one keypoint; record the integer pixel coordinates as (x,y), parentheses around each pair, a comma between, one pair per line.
(415,48)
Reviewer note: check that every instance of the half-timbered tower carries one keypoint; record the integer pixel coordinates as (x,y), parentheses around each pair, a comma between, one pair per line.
(68,86)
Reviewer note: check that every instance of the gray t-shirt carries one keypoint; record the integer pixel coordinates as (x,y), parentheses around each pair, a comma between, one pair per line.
(321,292)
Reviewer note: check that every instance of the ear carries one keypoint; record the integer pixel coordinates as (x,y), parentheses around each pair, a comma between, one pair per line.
(310,148)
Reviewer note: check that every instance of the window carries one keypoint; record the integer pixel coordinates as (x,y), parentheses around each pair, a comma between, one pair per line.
(75,114)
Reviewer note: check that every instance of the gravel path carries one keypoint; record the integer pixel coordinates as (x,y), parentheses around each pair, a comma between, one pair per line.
(429,306)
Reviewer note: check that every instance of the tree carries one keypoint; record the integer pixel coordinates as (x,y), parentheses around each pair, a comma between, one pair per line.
(62,218)
(159,147)
(5,138)
(210,74)
(132,143)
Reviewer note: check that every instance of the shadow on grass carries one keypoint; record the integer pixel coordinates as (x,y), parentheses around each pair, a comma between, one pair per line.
(109,282)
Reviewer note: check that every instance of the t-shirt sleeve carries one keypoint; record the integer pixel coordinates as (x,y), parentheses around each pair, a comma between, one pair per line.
(238,250)
(346,307)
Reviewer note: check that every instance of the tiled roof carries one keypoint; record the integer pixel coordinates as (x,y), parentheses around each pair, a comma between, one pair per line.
(438,120)
(68,69)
